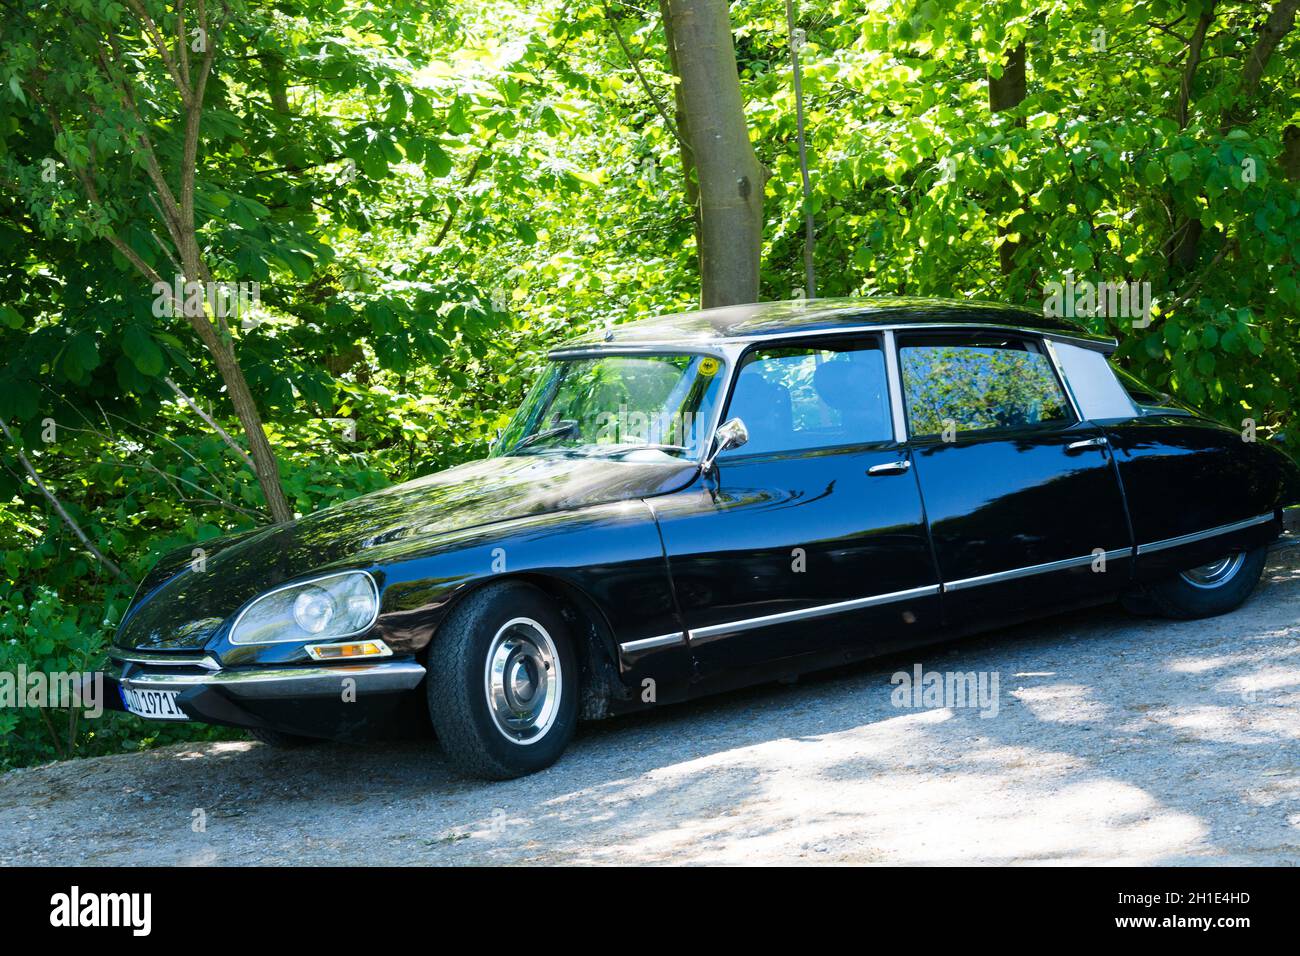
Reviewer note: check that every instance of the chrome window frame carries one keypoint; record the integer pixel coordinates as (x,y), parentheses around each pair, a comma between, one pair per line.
(716,350)
(883,344)
(1037,338)
(730,348)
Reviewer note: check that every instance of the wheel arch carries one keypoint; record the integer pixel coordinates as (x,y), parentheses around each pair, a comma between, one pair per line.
(596,647)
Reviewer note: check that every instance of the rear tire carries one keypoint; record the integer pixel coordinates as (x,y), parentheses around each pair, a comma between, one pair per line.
(1215,588)
(280,740)
(503,683)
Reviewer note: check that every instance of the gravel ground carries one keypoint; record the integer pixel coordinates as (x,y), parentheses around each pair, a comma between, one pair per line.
(1117,740)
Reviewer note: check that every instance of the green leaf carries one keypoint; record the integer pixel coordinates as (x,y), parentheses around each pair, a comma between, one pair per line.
(436,161)
(143,352)
(1180,166)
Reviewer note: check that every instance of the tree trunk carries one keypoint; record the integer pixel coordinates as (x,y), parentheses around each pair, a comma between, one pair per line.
(731,179)
(689,175)
(1277,25)
(1187,240)
(265,466)
(1007,92)
(1290,158)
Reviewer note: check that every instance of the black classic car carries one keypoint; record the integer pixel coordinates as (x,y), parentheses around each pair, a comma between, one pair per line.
(706,500)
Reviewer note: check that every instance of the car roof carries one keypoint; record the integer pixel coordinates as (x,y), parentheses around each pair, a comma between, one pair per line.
(814,316)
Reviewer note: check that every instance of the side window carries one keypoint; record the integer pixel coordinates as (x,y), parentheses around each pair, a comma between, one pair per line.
(1097,391)
(800,397)
(978,382)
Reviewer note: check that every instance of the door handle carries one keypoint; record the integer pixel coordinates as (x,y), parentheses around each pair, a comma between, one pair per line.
(889,468)
(1087,443)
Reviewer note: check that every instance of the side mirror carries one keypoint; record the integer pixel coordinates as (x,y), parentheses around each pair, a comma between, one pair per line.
(730,434)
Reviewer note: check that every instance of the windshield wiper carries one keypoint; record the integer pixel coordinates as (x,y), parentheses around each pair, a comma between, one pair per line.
(625,447)
(563,428)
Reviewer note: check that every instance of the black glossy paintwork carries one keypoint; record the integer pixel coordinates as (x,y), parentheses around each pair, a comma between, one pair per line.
(654,549)
(1185,475)
(418,519)
(1015,500)
(778,533)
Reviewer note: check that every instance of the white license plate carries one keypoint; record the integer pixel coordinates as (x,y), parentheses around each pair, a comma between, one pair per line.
(154,704)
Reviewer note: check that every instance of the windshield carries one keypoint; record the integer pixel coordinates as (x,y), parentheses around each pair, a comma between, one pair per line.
(606,405)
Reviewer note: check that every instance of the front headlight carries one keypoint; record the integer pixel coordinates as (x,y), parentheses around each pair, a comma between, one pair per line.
(322,609)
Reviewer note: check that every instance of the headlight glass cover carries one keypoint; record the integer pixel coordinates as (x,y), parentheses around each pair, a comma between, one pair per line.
(321,609)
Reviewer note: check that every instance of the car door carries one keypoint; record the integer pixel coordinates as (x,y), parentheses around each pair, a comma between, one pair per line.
(810,539)
(1024,506)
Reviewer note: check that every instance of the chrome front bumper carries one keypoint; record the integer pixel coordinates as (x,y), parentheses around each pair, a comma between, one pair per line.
(138,670)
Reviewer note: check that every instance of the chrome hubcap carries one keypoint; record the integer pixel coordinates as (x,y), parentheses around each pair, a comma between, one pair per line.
(523,681)
(1216,572)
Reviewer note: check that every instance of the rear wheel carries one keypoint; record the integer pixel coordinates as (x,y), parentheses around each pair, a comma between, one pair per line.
(503,683)
(1214,588)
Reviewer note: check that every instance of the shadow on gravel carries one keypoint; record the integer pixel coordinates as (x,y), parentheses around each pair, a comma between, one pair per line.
(1117,740)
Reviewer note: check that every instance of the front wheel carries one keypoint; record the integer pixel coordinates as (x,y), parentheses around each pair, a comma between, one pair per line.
(503,683)
(1214,588)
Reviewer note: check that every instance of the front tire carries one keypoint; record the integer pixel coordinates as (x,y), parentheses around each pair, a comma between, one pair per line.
(1215,588)
(503,683)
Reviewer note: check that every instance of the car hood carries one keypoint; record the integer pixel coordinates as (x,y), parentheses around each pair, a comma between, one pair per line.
(185,609)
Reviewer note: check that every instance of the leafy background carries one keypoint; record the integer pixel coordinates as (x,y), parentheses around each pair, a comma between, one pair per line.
(431,193)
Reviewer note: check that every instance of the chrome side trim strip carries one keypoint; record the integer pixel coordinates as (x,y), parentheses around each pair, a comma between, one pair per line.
(702,635)
(1202,535)
(650,643)
(1032,569)
(156,659)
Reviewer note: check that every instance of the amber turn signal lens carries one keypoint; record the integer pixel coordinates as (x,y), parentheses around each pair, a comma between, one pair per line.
(336,652)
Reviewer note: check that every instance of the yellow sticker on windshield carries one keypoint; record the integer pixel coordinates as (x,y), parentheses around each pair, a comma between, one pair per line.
(709,367)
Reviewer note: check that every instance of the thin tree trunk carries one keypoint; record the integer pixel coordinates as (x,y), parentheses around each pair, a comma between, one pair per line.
(1290,158)
(1007,92)
(731,179)
(1277,25)
(809,231)
(1187,244)
(265,465)
(1186,237)
(1194,48)
(211,423)
(178,217)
